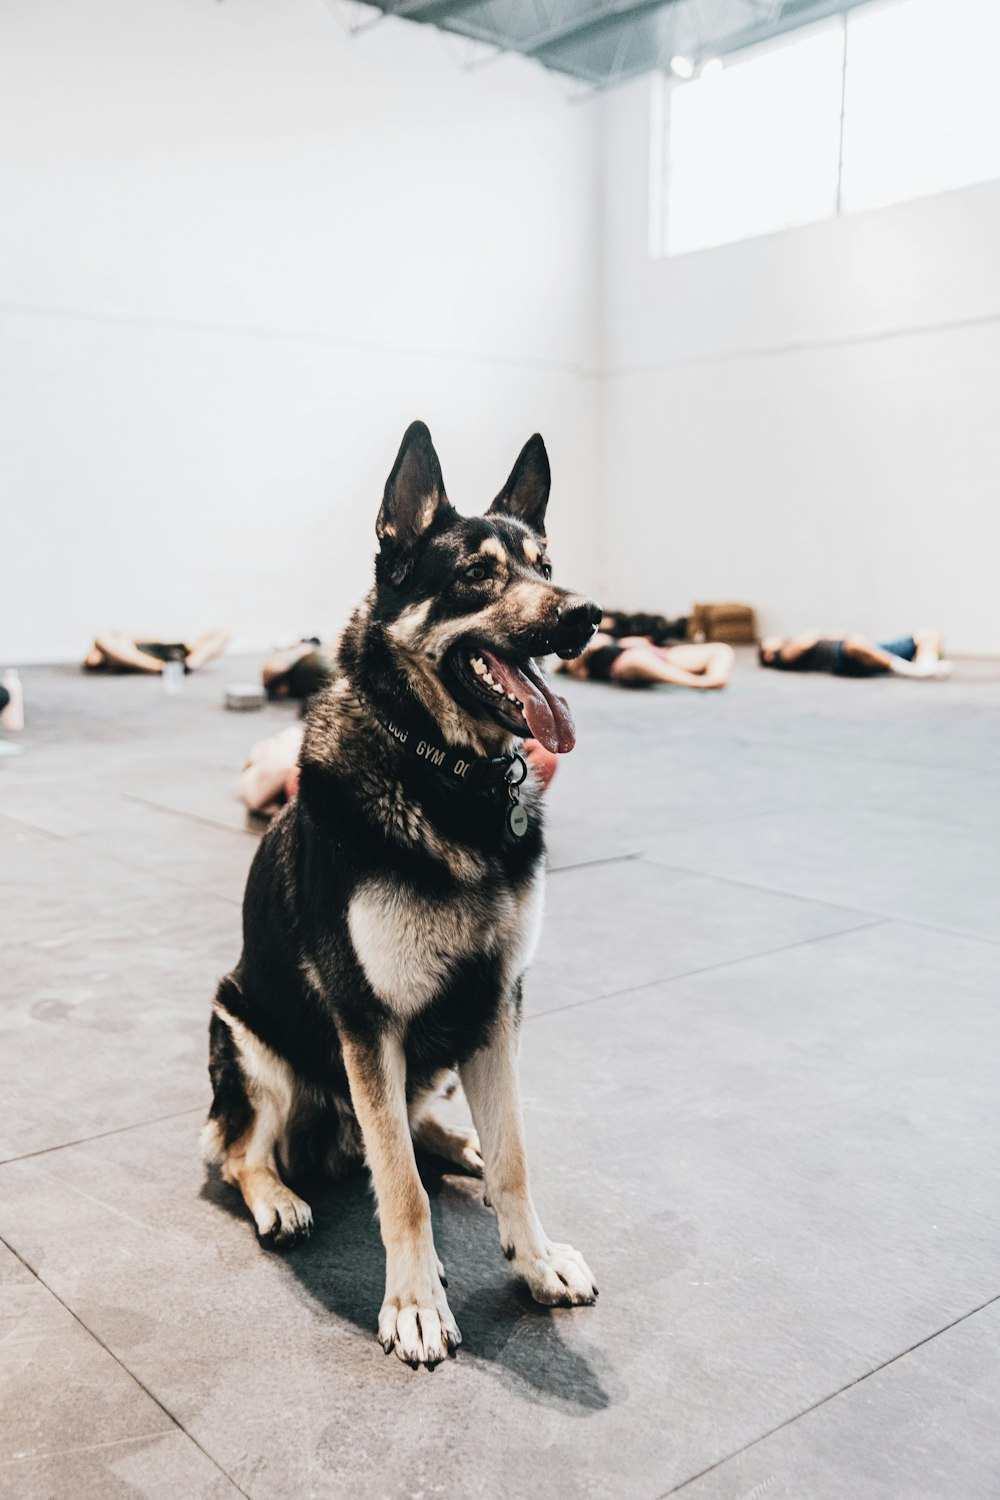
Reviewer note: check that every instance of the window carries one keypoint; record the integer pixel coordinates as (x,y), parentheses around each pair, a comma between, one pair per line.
(891,101)
(922,100)
(755,148)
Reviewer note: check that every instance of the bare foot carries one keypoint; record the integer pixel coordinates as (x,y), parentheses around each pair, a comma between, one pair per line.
(930,644)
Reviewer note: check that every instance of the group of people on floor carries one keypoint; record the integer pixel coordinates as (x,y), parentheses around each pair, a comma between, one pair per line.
(638,659)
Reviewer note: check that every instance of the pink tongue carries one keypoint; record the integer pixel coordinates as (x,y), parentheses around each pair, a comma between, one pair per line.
(548,716)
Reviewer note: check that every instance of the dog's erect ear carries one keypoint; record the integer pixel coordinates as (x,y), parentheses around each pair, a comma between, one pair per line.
(414,492)
(526,493)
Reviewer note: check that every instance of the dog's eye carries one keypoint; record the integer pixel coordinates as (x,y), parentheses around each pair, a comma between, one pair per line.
(545,569)
(476,573)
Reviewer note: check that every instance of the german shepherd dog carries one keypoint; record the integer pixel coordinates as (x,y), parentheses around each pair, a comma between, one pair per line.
(393,907)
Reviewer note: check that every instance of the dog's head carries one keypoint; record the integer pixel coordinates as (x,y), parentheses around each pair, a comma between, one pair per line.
(463,607)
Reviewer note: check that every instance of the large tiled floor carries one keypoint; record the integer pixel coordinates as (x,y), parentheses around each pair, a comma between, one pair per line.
(760,1066)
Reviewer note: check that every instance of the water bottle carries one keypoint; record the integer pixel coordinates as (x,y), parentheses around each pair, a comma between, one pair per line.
(173,673)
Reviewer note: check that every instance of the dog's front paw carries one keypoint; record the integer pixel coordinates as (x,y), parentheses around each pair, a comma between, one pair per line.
(422,1330)
(557,1275)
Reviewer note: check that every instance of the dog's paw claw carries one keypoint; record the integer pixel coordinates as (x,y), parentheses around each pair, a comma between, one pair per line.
(423,1333)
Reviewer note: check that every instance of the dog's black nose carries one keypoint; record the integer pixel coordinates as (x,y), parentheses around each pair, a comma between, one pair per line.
(578,619)
(581,617)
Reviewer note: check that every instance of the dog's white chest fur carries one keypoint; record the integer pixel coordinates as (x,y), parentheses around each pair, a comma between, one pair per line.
(409,945)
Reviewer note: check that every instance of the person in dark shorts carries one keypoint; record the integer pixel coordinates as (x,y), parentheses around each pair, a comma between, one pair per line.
(855,656)
(634,660)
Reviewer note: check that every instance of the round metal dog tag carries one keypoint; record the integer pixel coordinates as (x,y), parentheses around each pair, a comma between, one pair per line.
(517,820)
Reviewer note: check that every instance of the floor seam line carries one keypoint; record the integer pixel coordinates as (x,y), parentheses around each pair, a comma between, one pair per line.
(176,812)
(59,838)
(832,1396)
(102,1135)
(813,751)
(959,932)
(588,864)
(157,874)
(774,890)
(769,890)
(34,1458)
(723,963)
(123,1366)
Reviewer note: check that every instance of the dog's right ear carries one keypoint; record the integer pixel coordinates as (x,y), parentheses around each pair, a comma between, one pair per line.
(414,492)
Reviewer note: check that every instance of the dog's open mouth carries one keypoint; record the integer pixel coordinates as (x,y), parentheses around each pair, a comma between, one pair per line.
(514,694)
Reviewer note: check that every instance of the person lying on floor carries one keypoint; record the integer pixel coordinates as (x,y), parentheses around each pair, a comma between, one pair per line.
(855,656)
(120,651)
(634,660)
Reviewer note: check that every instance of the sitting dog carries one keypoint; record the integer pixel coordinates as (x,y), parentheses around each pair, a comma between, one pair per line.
(394,905)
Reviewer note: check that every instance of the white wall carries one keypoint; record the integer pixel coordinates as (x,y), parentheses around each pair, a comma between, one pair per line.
(241,251)
(808,421)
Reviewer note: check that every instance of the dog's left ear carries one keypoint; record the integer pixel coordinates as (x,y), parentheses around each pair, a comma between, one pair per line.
(526,493)
(414,492)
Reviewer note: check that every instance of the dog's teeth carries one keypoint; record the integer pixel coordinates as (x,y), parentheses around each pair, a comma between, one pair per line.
(496,687)
(511,697)
(478,666)
(488,679)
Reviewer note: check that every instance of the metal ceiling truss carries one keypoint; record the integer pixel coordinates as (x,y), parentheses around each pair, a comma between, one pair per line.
(604,44)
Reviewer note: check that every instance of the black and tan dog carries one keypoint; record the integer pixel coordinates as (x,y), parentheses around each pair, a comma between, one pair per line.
(393,907)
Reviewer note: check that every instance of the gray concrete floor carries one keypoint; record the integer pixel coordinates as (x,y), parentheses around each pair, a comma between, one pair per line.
(760,1080)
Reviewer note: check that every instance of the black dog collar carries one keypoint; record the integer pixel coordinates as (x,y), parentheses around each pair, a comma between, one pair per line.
(460,767)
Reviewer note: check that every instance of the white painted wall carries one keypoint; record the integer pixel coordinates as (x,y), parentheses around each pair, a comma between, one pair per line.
(240,252)
(808,421)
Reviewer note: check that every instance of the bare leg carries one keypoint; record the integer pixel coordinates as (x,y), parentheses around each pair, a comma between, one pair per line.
(554,1273)
(645,664)
(415,1318)
(204,648)
(713,661)
(861,650)
(120,650)
(269,765)
(858,648)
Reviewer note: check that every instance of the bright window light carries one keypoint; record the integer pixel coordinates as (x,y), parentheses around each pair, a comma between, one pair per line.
(894,100)
(755,148)
(922,104)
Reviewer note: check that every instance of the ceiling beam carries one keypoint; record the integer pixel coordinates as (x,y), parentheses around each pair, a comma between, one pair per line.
(793,14)
(428,10)
(595,23)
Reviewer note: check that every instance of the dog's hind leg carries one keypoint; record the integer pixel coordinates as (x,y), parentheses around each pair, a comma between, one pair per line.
(454,1143)
(415,1318)
(255,1095)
